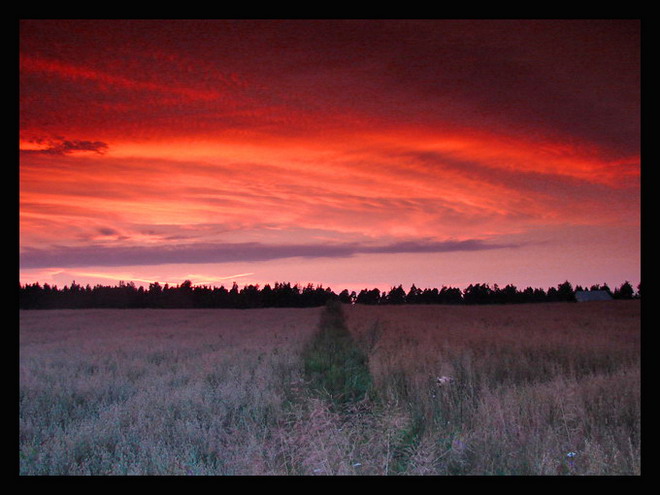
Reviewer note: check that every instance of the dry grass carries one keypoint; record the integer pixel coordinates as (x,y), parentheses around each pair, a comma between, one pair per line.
(537,389)
(155,392)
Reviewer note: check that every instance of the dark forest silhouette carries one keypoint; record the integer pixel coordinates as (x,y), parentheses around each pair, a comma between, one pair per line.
(127,295)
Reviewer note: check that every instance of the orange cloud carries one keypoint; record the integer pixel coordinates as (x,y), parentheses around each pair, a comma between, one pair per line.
(146,134)
(398,185)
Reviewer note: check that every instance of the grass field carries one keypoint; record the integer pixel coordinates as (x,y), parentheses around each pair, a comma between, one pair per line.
(537,389)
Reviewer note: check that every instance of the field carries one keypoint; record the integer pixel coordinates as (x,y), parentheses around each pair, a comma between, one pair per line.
(535,389)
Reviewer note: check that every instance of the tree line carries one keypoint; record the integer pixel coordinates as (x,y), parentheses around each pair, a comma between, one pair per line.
(186,295)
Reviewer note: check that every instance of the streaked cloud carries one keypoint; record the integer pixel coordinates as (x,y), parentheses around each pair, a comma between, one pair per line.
(195,141)
(97,255)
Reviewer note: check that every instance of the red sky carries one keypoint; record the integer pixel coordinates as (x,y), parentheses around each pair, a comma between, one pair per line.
(352,154)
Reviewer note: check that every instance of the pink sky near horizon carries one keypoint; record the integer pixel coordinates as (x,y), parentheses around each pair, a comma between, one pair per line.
(351,154)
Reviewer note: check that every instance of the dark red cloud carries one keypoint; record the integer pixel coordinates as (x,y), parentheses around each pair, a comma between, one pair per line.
(350,132)
(65,146)
(578,79)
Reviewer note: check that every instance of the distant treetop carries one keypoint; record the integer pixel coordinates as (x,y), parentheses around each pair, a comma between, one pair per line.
(281,294)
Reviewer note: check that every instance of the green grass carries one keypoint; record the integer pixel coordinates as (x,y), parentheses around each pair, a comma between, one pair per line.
(334,365)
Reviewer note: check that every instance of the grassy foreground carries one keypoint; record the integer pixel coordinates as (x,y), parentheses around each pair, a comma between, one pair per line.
(543,389)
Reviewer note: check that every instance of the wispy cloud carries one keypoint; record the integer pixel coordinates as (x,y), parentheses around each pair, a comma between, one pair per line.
(75,72)
(148,142)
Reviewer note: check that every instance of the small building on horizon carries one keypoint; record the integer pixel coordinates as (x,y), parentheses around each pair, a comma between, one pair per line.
(592,295)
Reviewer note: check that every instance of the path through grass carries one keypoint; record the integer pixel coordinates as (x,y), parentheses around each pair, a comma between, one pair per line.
(334,365)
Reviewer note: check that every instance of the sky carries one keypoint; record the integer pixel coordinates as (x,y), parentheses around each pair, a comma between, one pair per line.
(344,153)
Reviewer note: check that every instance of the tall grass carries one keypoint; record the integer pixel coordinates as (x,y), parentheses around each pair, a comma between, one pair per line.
(155,392)
(545,389)
(538,389)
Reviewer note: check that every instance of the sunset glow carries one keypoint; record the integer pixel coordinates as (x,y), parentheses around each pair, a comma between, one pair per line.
(351,154)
